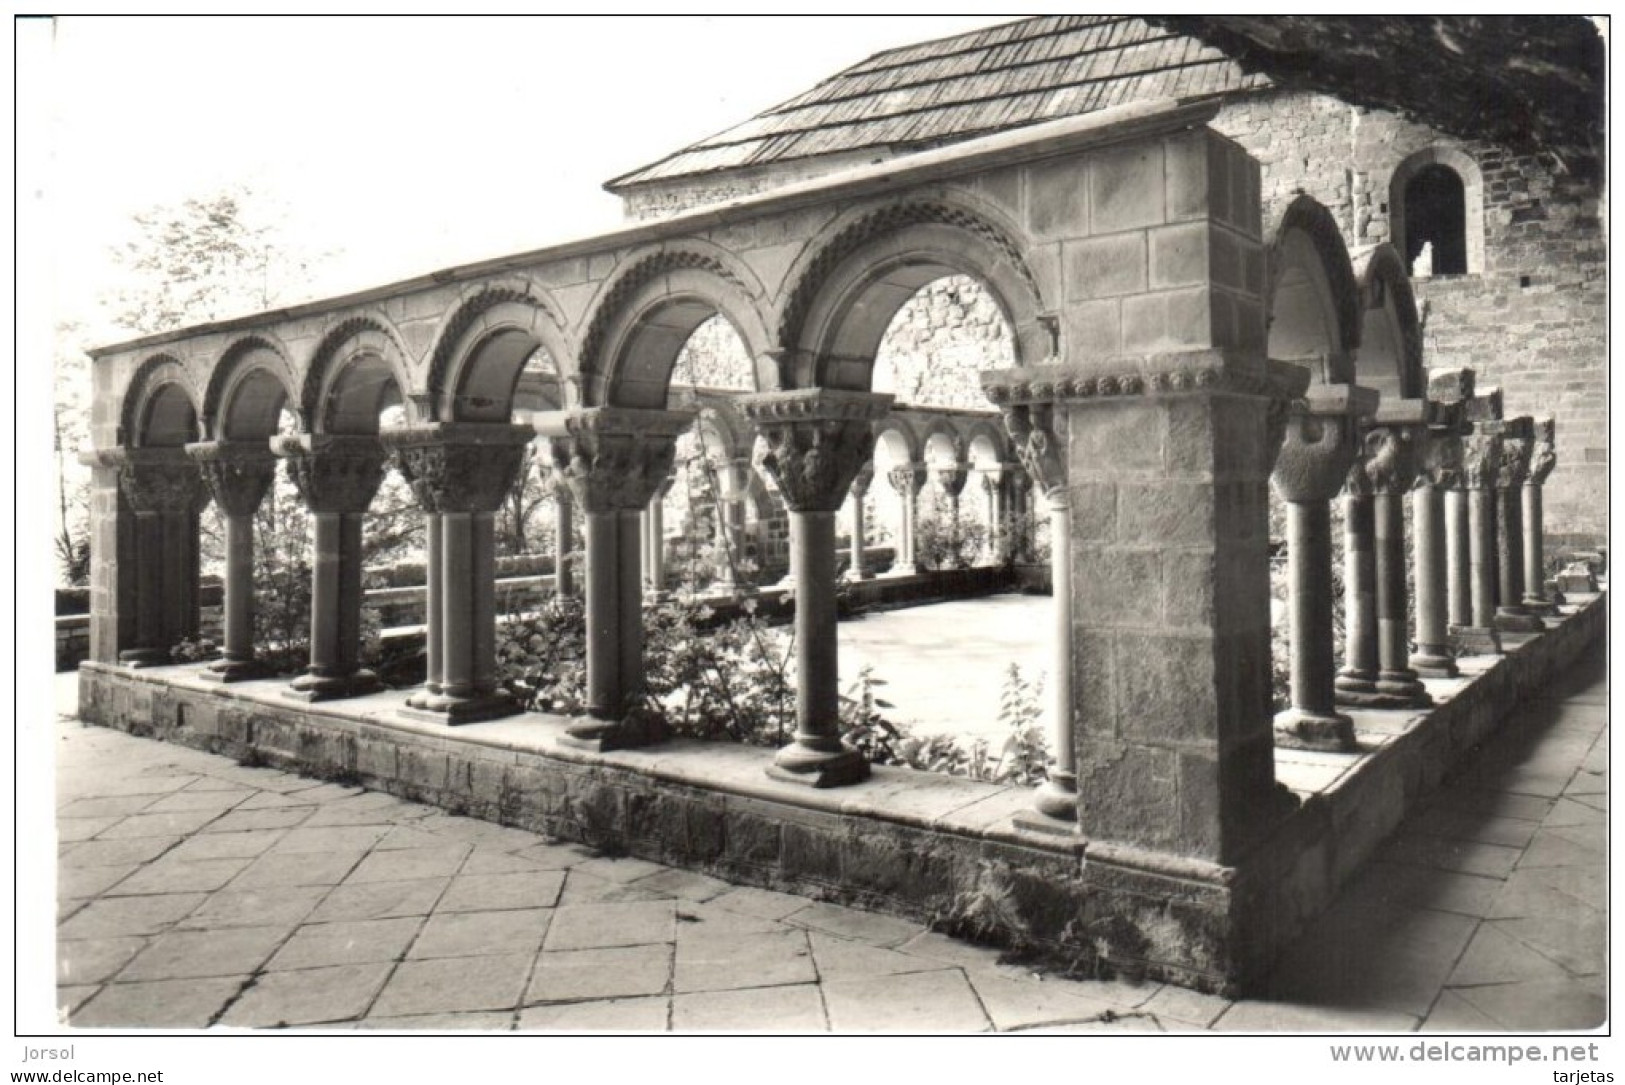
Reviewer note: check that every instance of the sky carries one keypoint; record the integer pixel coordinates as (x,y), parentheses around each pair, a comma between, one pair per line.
(402,145)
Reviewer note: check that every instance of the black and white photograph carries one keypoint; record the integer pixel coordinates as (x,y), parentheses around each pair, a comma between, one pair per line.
(813,527)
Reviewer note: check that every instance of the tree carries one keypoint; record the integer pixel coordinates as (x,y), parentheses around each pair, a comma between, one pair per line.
(70,432)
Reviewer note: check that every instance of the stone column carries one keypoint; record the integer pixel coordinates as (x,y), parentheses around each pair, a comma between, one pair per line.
(1357,681)
(1043,453)
(1542,461)
(654,540)
(817,440)
(563,535)
(951,481)
(337,476)
(237,475)
(996,491)
(165,492)
(1481,456)
(859,490)
(1440,474)
(1321,439)
(1168,459)
(460,472)
(733,488)
(908,480)
(615,459)
(1394,448)
(1517,450)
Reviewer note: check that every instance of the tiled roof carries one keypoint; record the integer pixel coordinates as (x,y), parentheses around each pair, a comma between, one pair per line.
(942,91)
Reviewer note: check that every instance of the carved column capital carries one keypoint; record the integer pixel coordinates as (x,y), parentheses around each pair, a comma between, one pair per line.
(1516,453)
(1441,465)
(1480,460)
(157,480)
(236,473)
(818,439)
(614,458)
(334,473)
(1032,430)
(459,467)
(952,479)
(907,479)
(863,479)
(1543,459)
(1320,442)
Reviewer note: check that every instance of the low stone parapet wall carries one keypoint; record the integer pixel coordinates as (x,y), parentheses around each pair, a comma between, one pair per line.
(930,847)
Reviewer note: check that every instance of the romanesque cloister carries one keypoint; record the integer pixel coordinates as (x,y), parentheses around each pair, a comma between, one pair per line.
(1174,356)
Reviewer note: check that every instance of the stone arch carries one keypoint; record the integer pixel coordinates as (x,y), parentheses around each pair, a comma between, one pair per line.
(1314,301)
(942,440)
(986,441)
(733,436)
(483,347)
(899,439)
(1472,183)
(357,370)
(248,388)
(849,283)
(646,313)
(160,406)
(1390,355)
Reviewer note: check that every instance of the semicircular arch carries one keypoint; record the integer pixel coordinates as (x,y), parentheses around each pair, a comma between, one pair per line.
(358,368)
(1390,354)
(160,406)
(494,330)
(1313,298)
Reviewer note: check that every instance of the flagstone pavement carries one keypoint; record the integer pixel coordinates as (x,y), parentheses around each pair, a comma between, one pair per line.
(194,892)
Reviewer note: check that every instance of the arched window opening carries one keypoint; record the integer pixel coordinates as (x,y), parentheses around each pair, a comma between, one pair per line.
(939,340)
(1436,220)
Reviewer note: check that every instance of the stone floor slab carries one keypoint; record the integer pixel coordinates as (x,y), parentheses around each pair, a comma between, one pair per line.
(766,1009)
(130,915)
(363,941)
(73,830)
(164,1004)
(380,900)
(1259,1016)
(309,997)
(453,985)
(1542,1005)
(188,954)
(1495,957)
(276,868)
(279,906)
(168,875)
(937,1001)
(760,902)
(611,1015)
(117,852)
(94,960)
(600,925)
(871,927)
(622,871)
(173,824)
(1020,1004)
(482,934)
(746,960)
(844,957)
(441,1022)
(190,799)
(90,881)
(408,864)
(501,892)
(616,972)
(305,840)
(1452,1013)
(228,845)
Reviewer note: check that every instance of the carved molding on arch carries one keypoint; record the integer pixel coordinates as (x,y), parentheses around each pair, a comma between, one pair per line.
(468,311)
(224,379)
(875,225)
(136,393)
(611,306)
(1308,215)
(310,389)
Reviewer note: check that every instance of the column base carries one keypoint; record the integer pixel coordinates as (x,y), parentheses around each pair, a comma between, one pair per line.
(312,687)
(603,736)
(1435,664)
(798,764)
(1056,802)
(451,711)
(902,568)
(1301,729)
(1476,640)
(235,670)
(1404,688)
(1540,606)
(145,657)
(1517,620)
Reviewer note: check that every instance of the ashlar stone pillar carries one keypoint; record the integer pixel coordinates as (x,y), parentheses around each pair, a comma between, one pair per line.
(1481,458)
(1043,453)
(615,459)
(817,440)
(337,475)
(908,480)
(1321,440)
(859,567)
(1517,451)
(1168,459)
(1543,460)
(1393,452)
(238,475)
(460,472)
(1439,474)
(165,492)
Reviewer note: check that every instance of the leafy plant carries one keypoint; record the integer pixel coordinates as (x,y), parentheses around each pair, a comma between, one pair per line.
(945,539)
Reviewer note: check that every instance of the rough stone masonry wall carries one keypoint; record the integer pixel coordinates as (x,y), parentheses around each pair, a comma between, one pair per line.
(1533,321)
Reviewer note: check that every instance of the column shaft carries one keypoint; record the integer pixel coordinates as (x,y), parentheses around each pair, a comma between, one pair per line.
(1358,677)
(1395,680)
(860,569)
(812,538)
(1481,536)
(456,604)
(1309,572)
(238,646)
(603,615)
(1458,561)
(1534,549)
(1432,656)
(1058,798)
(482,584)
(1511,613)
(563,535)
